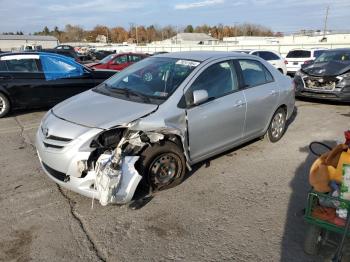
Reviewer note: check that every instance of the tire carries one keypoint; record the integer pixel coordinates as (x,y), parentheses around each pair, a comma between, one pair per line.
(4,105)
(313,240)
(280,69)
(159,158)
(277,126)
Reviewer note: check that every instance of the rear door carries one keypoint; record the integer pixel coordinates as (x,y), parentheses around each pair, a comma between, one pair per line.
(23,80)
(261,94)
(218,123)
(64,78)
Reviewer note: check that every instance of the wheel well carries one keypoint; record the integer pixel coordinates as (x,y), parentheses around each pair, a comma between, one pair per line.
(8,98)
(280,69)
(284,107)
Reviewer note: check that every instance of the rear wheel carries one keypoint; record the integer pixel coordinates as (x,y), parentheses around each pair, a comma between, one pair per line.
(277,126)
(4,105)
(162,166)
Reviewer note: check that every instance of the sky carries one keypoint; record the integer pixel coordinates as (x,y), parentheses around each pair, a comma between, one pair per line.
(279,15)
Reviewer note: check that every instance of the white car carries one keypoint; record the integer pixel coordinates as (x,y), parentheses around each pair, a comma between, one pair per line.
(274,58)
(297,57)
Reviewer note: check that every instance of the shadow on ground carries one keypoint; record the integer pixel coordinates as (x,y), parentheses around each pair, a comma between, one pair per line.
(295,226)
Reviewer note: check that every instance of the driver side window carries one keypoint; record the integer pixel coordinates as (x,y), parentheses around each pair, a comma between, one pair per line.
(218,80)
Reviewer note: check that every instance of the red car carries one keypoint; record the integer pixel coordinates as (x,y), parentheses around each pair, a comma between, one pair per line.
(117,61)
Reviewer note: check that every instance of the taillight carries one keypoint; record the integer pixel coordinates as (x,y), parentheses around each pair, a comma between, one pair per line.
(285,62)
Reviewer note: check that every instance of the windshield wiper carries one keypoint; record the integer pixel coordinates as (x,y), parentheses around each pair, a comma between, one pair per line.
(128,92)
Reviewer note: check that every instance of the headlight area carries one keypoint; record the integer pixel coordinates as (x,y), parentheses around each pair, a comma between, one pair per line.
(113,163)
(344,82)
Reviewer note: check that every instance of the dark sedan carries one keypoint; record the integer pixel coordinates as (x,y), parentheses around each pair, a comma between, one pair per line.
(32,80)
(328,77)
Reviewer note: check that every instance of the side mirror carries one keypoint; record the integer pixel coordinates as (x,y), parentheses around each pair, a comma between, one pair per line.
(200,96)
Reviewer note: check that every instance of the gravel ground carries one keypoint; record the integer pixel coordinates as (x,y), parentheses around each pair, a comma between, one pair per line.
(244,205)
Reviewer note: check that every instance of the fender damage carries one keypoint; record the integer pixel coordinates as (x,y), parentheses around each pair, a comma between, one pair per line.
(116,177)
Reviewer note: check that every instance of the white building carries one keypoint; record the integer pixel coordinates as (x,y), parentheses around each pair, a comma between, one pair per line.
(191,39)
(17,42)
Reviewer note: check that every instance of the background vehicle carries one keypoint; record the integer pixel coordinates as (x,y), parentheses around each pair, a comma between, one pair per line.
(194,106)
(297,57)
(100,54)
(29,80)
(65,47)
(66,52)
(118,61)
(274,58)
(328,77)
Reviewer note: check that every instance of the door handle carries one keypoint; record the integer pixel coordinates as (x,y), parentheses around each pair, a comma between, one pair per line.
(239,103)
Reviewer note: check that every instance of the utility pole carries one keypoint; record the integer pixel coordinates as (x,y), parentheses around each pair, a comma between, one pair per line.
(137,37)
(325,23)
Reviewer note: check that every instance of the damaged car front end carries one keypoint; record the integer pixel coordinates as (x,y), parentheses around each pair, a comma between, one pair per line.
(328,77)
(100,151)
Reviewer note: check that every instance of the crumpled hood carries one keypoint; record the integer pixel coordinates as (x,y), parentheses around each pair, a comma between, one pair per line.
(97,110)
(331,68)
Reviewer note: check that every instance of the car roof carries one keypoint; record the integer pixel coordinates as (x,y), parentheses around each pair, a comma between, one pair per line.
(31,54)
(309,49)
(340,49)
(201,55)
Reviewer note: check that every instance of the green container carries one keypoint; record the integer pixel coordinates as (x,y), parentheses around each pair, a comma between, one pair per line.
(313,202)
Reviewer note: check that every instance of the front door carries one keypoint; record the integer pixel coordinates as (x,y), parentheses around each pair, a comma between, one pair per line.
(64,78)
(217,124)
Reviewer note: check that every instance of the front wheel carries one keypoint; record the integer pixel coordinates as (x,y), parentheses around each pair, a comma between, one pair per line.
(277,126)
(313,240)
(4,105)
(162,166)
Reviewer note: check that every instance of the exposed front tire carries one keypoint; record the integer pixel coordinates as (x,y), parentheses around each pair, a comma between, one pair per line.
(162,166)
(4,105)
(277,126)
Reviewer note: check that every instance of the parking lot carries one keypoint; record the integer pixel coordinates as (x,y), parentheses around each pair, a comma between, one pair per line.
(244,205)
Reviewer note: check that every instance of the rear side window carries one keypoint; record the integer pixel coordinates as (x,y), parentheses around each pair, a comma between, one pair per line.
(121,60)
(22,65)
(60,67)
(299,54)
(134,58)
(218,80)
(254,73)
(268,56)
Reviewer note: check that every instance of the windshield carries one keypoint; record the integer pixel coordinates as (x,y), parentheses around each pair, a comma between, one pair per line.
(153,78)
(107,59)
(334,56)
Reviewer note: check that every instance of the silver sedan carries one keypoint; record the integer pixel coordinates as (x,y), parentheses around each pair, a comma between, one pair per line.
(147,125)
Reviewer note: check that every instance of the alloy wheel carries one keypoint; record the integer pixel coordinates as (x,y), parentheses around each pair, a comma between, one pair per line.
(277,125)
